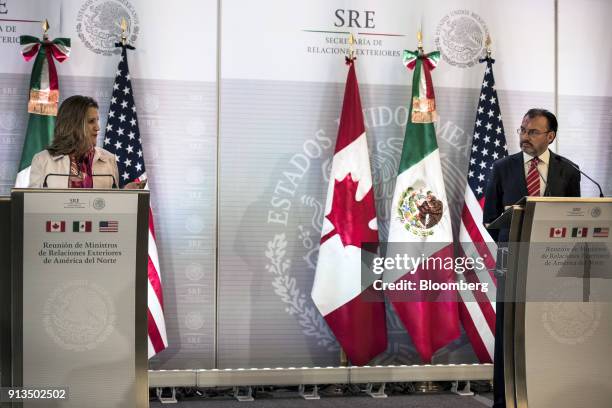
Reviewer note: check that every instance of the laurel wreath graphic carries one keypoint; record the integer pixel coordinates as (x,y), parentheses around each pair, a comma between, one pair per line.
(285,287)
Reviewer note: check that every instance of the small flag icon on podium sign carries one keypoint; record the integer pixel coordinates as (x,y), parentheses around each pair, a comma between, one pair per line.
(558,232)
(56,226)
(601,232)
(81,226)
(109,226)
(579,232)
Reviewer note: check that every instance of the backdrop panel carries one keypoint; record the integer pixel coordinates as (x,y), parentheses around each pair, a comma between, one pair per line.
(176,99)
(280,104)
(585,90)
(281,83)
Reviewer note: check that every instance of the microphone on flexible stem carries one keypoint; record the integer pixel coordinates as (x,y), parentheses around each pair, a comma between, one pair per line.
(68,175)
(54,175)
(544,180)
(107,175)
(564,160)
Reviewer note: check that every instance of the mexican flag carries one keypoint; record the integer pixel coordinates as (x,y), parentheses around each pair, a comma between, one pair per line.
(81,226)
(44,97)
(420,221)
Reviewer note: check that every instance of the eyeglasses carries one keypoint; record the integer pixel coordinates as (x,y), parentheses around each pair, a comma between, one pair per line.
(530,132)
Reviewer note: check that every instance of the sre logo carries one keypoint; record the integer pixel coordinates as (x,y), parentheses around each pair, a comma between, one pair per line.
(354,18)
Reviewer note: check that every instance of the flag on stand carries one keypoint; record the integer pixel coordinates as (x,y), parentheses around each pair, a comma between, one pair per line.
(477,309)
(420,223)
(122,137)
(43,97)
(352,313)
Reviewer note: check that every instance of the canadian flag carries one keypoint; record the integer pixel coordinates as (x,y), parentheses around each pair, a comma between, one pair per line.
(56,226)
(558,232)
(358,321)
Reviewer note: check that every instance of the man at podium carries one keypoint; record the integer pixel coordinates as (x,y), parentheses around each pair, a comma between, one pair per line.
(535,171)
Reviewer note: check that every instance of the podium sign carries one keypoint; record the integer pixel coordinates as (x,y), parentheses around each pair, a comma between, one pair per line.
(557,353)
(79,293)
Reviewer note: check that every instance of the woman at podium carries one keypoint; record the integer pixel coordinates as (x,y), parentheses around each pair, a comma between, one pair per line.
(73,160)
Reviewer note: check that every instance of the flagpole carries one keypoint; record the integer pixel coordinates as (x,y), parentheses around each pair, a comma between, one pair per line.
(425,386)
(357,322)
(122,101)
(351,56)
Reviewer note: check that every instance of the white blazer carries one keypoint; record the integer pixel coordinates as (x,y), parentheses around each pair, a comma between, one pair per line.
(44,164)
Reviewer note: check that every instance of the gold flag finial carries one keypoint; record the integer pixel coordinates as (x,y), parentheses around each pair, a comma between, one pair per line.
(351,46)
(488,45)
(45,27)
(123,30)
(420,41)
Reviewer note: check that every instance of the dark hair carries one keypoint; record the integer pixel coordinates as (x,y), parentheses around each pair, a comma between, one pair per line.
(550,117)
(69,136)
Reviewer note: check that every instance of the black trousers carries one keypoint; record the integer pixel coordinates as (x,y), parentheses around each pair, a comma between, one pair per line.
(499,394)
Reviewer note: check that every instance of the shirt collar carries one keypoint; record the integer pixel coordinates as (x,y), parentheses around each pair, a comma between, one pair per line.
(97,156)
(544,157)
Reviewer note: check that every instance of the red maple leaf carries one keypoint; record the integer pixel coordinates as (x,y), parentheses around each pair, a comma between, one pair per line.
(350,217)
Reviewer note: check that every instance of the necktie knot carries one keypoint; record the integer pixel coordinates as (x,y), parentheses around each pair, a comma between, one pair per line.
(535,161)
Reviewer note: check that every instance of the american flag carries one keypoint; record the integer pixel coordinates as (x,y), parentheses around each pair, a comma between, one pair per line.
(109,226)
(477,309)
(122,138)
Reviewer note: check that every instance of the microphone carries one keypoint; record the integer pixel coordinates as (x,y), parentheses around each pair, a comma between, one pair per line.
(564,160)
(107,175)
(543,179)
(68,175)
(54,175)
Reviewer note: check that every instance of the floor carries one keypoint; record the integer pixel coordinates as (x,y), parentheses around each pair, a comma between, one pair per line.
(330,396)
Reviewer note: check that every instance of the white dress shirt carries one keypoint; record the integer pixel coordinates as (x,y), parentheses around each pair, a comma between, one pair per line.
(542,168)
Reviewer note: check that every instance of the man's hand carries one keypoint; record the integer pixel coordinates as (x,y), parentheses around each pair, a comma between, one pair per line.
(135,185)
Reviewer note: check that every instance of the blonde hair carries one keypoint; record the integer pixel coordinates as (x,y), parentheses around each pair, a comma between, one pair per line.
(70,134)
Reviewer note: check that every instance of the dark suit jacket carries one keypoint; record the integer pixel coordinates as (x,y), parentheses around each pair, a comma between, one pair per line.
(507,185)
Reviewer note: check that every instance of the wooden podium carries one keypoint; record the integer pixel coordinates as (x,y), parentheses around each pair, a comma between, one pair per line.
(79,295)
(5,292)
(558,302)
